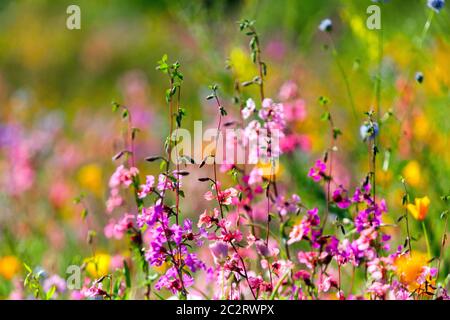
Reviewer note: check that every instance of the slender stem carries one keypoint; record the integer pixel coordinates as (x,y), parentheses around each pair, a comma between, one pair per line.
(444,237)
(245,270)
(344,76)
(425,233)
(407,220)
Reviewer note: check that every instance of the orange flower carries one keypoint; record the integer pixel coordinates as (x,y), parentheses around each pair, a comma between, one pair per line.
(9,267)
(409,266)
(419,210)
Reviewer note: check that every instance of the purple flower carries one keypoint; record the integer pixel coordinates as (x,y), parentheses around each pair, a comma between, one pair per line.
(177,234)
(219,250)
(369,130)
(171,281)
(194,263)
(149,216)
(340,198)
(287,206)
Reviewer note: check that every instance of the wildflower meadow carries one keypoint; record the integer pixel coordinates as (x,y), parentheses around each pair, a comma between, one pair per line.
(224,150)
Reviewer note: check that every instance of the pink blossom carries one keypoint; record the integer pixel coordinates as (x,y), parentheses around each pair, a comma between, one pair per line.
(295,111)
(248,109)
(318,171)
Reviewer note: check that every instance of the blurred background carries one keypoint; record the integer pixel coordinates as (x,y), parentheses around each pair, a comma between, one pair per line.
(58,133)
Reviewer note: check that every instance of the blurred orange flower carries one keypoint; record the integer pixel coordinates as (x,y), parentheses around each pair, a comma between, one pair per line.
(419,210)
(9,267)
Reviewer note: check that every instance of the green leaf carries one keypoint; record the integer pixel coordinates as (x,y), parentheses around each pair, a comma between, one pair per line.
(126,272)
(50,293)
(325,116)
(84,213)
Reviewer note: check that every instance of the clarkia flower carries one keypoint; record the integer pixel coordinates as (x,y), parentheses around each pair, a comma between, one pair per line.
(318,171)
(340,198)
(219,250)
(146,188)
(225,197)
(248,109)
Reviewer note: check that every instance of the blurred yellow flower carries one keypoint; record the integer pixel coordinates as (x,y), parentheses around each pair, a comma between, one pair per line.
(411,172)
(98,265)
(409,267)
(268,170)
(421,127)
(9,267)
(358,26)
(419,210)
(243,67)
(90,177)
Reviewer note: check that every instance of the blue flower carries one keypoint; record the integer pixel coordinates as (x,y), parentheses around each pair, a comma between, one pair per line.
(436,5)
(326,25)
(419,77)
(369,130)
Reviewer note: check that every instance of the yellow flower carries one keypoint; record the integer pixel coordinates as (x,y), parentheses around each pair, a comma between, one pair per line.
(9,267)
(422,128)
(98,265)
(268,170)
(409,266)
(90,177)
(243,67)
(419,210)
(411,172)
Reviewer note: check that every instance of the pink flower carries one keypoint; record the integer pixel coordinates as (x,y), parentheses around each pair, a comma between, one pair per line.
(207,220)
(318,171)
(325,284)
(123,176)
(114,200)
(256,176)
(248,109)
(146,188)
(224,197)
(288,90)
(117,230)
(299,231)
(295,111)
(308,258)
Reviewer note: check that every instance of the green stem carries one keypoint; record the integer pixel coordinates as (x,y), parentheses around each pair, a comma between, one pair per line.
(277,286)
(344,76)
(426,239)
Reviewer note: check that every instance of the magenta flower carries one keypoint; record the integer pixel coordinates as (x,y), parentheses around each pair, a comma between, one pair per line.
(318,171)
(340,198)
